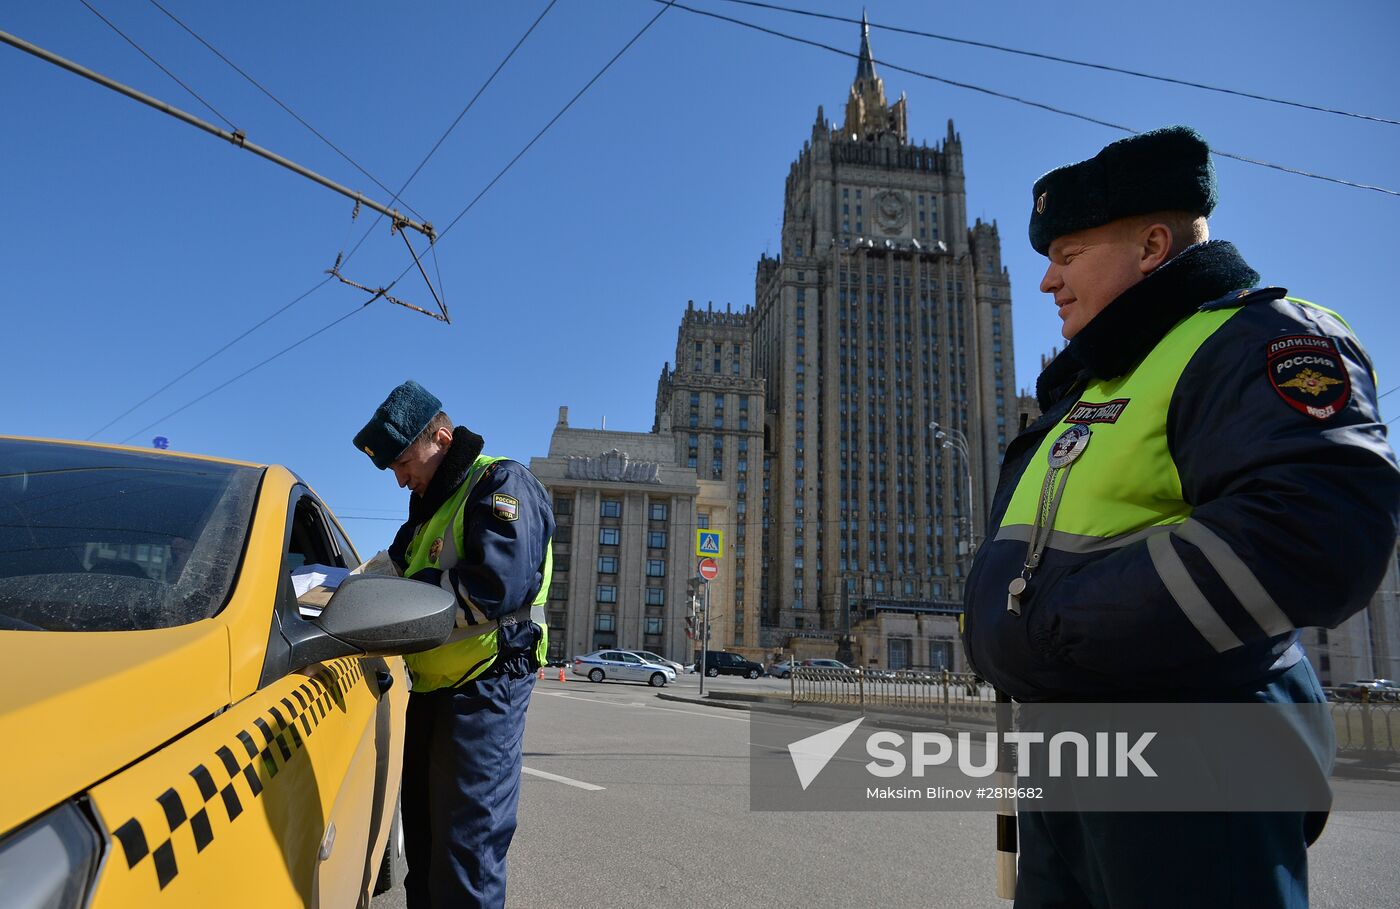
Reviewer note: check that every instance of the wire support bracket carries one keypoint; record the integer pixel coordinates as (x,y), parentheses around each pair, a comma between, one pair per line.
(377,292)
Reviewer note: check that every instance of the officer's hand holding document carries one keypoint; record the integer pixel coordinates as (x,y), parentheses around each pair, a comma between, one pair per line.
(314,584)
(379,563)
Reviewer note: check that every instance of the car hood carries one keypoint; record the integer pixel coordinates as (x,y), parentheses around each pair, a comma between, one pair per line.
(77,707)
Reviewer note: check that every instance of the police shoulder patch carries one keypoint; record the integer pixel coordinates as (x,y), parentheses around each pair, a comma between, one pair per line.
(505,507)
(1309,374)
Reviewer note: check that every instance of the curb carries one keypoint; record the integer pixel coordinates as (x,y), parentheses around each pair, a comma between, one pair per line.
(1359,769)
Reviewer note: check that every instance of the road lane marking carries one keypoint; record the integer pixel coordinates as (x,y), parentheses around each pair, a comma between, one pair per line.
(561,779)
(732,719)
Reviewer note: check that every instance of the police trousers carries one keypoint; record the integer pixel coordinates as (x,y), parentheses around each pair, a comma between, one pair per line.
(1143,860)
(461,787)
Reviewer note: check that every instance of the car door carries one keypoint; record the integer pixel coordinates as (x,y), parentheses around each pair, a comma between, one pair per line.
(270,800)
(633,668)
(612,664)
(355,757)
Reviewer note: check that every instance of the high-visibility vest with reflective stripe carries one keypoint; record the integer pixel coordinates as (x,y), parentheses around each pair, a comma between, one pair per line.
(470,650)
(1124,484)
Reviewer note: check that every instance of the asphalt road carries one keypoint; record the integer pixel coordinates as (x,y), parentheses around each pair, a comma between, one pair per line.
(671,825)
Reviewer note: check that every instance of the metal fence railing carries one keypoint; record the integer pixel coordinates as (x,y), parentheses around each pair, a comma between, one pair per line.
(926,691)
(1366,723)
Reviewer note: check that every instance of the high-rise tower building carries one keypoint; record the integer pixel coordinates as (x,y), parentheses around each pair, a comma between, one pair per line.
(714,407)
(884,312)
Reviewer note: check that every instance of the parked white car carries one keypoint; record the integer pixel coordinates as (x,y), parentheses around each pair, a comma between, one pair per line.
(624,665)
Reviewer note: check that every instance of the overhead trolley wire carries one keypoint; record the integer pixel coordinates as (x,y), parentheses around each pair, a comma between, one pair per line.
(278,101)
(322,283)
(288,349)
(666,5)
(1009,97)
(443,138)
(178,81)
(1067,60)
(327,280)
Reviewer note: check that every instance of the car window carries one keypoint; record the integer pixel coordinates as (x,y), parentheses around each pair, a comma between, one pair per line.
(93,539)
(610,656)
(631,658)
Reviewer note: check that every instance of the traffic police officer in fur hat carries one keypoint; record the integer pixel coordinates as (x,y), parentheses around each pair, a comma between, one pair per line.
(1217,478)
(480,528)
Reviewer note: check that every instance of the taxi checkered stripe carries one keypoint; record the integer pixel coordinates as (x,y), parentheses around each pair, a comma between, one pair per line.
(274,735)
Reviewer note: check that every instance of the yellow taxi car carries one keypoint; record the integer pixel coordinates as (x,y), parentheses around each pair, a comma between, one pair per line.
(175,728)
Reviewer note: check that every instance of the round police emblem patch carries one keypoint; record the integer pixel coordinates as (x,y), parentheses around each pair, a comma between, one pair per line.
(1069,446)
(435,550)
(1307,371)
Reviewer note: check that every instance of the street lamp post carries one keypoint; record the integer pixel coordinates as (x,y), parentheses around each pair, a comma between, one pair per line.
(953,440)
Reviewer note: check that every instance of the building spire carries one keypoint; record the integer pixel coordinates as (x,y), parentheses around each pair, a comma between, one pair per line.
(867,115)
(865,69)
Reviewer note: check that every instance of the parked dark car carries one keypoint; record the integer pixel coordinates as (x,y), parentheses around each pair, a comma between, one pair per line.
(722,662)
(1367,689)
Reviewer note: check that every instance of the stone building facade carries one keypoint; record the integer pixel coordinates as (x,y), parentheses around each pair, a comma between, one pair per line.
(714,406)
(884,312)
(625,514)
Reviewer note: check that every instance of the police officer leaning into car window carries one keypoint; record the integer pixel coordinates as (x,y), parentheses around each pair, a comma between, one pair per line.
(480,528)
(1209,475)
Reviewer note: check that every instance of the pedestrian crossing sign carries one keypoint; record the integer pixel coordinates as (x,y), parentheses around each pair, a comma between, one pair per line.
(709,543)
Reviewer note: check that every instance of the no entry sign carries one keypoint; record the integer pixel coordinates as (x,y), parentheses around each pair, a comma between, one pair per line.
(709,569)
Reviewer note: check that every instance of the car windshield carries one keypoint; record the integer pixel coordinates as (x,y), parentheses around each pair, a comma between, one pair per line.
(99,540)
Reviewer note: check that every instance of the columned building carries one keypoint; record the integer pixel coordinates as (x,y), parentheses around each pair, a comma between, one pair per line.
(884,312)
(625,513)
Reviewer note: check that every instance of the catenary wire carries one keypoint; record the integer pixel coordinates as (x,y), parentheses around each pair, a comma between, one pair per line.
(667,4)
(1051,57)
(321,284)
(454,221)
(443,138)
(1015,98)
(158,65)
(278,101)
(259,365)
(211,356)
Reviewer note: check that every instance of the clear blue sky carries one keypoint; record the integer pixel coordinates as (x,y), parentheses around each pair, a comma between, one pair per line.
(132,246)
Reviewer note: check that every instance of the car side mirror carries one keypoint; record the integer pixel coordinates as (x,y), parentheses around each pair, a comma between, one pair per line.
(371,615)
(382,616)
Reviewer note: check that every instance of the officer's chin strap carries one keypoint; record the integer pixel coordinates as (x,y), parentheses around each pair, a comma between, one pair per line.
(1006,805)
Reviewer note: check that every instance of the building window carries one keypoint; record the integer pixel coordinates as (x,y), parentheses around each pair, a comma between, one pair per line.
(608,536)
(656,539)
(607,593)
(702,521)
(654,624)
(656,568)
(656,596)
(611,508)
(660,509)
(604,621)
(607,564)
(563,506)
